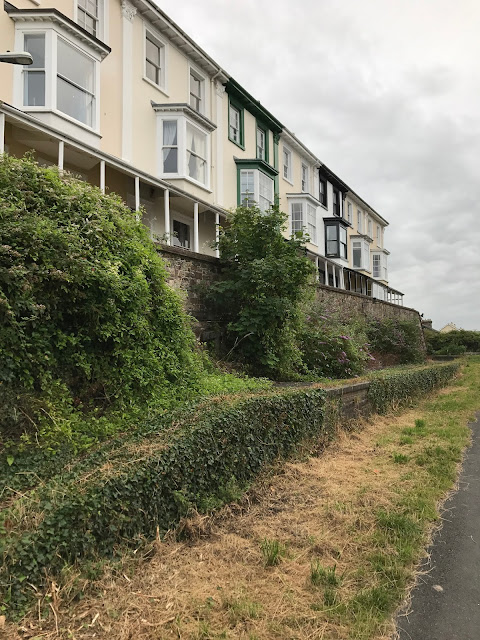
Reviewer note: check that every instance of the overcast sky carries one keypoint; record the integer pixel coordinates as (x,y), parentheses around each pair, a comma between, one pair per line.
(387,94)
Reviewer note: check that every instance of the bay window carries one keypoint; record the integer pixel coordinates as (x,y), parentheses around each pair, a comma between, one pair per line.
(379,266)
(183,143)
(335,240)
(303,215)
(64,79)
(256,188)
(360,254)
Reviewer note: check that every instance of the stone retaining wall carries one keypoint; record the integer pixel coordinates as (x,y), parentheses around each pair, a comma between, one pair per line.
(191,274)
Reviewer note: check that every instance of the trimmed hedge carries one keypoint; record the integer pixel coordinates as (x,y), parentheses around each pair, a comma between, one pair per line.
(205,460)
(397,388)
(201,465)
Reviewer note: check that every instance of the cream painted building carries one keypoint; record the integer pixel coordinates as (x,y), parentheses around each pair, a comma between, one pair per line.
(121,96)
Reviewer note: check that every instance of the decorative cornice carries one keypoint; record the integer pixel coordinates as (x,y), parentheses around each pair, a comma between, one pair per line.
(185,109)
(128,10)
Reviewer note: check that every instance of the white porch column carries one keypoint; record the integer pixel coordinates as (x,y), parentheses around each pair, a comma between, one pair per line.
(102,176)
(166,206)
(342,278)
(326,273)
(195,227)
(217,233)
(137,195)
(334,276)
(316,269)
(2,133)
(61,152)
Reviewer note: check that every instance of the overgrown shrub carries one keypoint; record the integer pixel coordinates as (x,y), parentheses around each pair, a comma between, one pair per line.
(402,338)
(331,347)
(86,317)
(265,278)
(452,343)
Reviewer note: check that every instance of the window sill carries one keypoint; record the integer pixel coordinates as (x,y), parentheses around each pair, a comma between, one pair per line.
(171,178)
(287,180)
(62,116)
(237,144)
(156,86)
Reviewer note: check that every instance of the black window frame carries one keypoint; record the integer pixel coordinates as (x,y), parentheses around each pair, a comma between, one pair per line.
(341,247)
(336,202)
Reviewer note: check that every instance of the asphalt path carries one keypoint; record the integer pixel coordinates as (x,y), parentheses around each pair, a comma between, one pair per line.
(445,603)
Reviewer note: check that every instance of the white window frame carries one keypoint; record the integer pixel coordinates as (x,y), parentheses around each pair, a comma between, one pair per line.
(162,44)
(308,216)
(305,178)
(52,32)
(349,212)
(237,135)
(182,164)
(363,245)
(359,221)
(263,138)
(287,174)
(255,201)
(204,94)
(102,19)
(377,268)
(370,228)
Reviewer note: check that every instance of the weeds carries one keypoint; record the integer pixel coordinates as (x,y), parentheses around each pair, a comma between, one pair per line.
(273,552)
(326,577)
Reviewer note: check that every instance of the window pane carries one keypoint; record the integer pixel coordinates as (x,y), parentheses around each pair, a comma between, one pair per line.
(331,232)
(196,168)
(332,247)
(169,133)
(152,72)
(75,102)
(153,52)
(181,234)
(34,43)
(196,141)
(34,88)
(247,188)
(265,200)
(170,160)
(343,235)
(75,66)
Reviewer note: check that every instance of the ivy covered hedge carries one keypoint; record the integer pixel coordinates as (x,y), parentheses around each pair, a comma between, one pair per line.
(217,452)
(397,388)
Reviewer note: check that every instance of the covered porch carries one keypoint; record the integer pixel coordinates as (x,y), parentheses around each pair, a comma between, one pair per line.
(172,216)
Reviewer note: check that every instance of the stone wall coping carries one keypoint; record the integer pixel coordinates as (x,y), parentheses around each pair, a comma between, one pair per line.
(348,388)
(186,253)
(354,294)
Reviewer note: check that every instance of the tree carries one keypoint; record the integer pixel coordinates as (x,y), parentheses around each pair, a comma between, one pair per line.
(265,277)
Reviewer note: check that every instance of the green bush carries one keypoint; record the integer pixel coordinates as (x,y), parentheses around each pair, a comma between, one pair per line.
(331,347)
(86,318)
(453,343)
(265,278)
(215,449)
(402,338)
(397,388)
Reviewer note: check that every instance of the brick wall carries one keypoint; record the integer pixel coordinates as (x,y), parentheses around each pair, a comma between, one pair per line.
(191,273)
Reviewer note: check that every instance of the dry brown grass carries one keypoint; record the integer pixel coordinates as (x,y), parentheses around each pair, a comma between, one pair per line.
(215,584)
